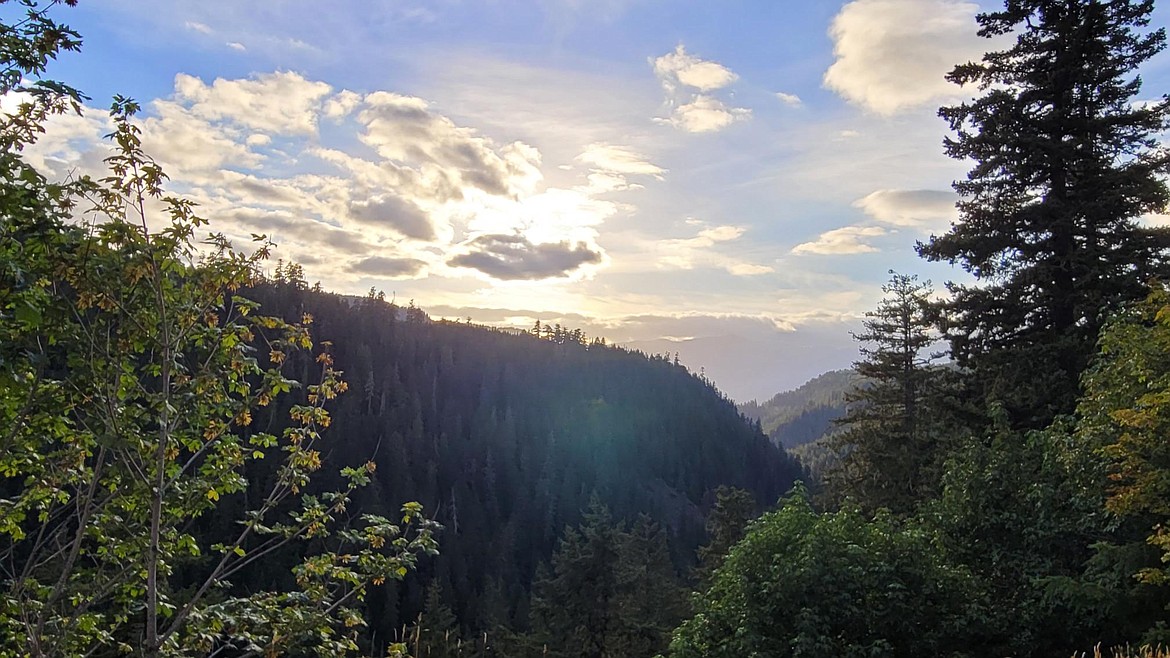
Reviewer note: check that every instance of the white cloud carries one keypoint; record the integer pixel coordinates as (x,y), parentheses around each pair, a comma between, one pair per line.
(196,26)
(703,251)
(236,45)
(748,269)
(924,209)
(842,241)
(66,148)
(688,82)
(342,104)
(619,160)
(894,54)
(679,68)
(281,102)
(403,129)
(186,143)
(705,114)
(791,100)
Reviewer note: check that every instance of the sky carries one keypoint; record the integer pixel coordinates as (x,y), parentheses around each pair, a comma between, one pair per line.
(729,181)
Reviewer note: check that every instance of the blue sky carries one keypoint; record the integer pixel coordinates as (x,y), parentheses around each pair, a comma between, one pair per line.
(730,181)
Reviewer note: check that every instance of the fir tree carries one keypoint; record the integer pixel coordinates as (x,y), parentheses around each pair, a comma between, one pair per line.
(1065,164)
(726,522)
(887,447)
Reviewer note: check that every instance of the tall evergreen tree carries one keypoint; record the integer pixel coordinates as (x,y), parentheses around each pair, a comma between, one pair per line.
(888,456)
(573,605)
(1065,164)
(609,592)
(726,523)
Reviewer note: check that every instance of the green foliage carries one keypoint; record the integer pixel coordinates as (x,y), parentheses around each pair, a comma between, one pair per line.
(608,592)
(1126,412)
(130,374)
(726,523)
(803,584)
(1021,511)
(1064,165)
(435,634)
(888,449)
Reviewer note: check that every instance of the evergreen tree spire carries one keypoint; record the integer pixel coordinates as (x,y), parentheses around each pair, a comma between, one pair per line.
(1066,163)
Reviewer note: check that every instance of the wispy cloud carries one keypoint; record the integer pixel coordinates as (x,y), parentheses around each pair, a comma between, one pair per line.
(704,250)
(619,159)
(922,209)
(791,100)
(842,241)
(196,26)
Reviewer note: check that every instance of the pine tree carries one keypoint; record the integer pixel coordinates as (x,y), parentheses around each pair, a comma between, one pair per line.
(572,606)
(435,633)
(650,602)
(887,448)
(1065,164)
(726,523)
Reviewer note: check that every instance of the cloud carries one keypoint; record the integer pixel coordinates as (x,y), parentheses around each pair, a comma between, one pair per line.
(284,224)
(701,250)
(403,129)
(388,267)
(187,144)
(236,45)
(911,208)
(705,114)
(748,355)
(841,241)
(397,214)
(791,100)
(342,104)
(619,160)
(748,269)
(196,26)
(283,103)
(679,68)
(688,82)
(514,257)
(893,54)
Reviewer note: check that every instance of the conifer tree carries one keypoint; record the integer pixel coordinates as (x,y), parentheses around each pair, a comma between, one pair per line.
(1066,163)
(887,447)
(726,523)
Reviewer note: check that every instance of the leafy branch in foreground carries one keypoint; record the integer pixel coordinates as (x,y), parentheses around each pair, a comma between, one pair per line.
(130,373)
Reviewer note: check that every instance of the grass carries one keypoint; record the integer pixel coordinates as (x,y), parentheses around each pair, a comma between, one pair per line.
(1127,652)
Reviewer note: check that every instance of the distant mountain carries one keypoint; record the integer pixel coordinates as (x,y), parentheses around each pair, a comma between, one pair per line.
(803,415)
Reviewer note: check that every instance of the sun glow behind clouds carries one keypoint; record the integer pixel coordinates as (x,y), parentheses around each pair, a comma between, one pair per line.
(429,198)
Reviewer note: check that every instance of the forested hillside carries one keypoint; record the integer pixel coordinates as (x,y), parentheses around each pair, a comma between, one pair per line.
(505,438)
(806,413)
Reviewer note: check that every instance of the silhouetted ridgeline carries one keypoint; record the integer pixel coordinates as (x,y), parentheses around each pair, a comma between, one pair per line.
(504,437)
